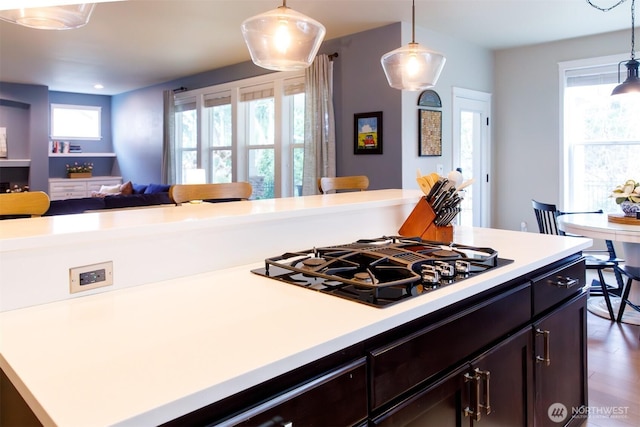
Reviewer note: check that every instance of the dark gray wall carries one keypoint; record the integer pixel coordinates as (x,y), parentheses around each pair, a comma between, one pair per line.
(361,87)
(37,142)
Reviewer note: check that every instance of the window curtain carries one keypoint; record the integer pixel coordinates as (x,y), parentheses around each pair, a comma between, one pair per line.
(319,125)
(168,139)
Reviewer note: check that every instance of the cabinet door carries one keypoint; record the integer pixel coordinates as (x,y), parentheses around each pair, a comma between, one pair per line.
(494,390)
(68,189)
(441,404)
(561,362)
(502,384)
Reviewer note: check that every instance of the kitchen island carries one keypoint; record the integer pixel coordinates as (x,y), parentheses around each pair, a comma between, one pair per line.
(150,353)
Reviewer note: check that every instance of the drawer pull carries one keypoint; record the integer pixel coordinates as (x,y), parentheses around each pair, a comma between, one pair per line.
(563,282)
(547,357)
(487,394)
(474,396)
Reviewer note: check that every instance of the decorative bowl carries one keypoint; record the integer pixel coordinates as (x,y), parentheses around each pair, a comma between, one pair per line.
(630,208)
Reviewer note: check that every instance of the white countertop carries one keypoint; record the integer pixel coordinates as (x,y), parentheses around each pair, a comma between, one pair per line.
(150,353)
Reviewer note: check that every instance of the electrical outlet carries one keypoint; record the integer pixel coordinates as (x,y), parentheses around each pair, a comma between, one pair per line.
(90,277)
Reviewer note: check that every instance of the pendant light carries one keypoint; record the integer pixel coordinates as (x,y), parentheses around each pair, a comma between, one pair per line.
(50,18)
(632,83)
(412,67)
(282,39)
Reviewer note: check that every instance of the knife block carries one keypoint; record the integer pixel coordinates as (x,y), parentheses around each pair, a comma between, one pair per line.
(420,224)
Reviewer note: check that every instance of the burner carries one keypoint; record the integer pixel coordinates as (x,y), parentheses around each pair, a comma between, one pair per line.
(445,253)
(380,272)
(363,277)
(313,262)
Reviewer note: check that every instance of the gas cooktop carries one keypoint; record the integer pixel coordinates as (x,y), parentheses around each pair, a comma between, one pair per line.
(381,271)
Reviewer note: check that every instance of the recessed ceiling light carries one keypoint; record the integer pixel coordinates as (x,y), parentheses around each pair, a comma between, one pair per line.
(98,86)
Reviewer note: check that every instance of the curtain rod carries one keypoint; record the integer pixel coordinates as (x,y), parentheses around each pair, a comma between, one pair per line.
(333,55)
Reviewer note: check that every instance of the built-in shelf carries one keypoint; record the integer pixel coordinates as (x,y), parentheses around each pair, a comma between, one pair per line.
(15,163)
(82,154)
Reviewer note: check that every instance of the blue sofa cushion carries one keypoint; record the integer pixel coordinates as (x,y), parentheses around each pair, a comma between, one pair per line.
(72,206)
(136,200)
(156,188)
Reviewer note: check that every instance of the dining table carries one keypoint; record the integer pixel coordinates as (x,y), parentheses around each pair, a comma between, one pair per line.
(617,228)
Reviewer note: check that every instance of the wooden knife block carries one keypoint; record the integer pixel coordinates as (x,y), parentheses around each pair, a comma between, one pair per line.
(420,224)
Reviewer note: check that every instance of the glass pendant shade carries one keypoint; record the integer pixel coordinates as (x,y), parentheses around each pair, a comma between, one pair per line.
(50,18)
(282,39)
(412,67)
(632,83)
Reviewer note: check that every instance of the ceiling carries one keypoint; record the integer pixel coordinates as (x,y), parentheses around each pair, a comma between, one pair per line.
(137,43)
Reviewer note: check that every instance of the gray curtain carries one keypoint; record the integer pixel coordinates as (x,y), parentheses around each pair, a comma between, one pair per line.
(168,139)
(319,125)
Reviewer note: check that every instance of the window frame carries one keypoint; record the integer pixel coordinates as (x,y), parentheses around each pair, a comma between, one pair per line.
(54,107)
(240,148)
(566,165)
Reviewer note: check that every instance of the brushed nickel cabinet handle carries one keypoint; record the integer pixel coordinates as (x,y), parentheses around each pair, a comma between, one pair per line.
(547,352)
(486,375)
(563,282)
(474,397)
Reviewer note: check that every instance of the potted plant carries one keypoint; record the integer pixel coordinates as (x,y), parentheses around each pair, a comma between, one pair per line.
(627,196)
(80,171)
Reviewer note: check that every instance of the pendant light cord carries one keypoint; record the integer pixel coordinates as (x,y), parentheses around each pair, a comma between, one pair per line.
(633,21)
(413,22)
(633,29)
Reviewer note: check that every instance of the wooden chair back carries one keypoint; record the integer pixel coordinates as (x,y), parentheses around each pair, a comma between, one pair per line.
(546,216)
(227,191)
(34,203)
(343,183)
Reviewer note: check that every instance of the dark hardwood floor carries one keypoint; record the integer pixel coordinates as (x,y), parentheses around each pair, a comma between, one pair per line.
(614,373)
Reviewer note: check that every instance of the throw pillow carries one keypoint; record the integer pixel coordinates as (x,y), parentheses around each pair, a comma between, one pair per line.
(126,189)
(110,189)
(139,188)
(156,188)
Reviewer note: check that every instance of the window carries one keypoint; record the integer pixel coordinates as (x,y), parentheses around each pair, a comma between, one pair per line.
(250,130)
(75,122)
(601,135)
(186,138)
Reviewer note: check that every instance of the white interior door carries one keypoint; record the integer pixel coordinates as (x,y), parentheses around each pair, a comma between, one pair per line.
(471,153)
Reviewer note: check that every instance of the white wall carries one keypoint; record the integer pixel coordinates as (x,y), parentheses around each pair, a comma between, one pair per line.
(526,123)
(468,66)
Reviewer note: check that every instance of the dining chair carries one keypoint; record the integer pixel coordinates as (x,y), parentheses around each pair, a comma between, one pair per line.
(343,183)
(28,203)
(632,273)
(217,192)
(598,260)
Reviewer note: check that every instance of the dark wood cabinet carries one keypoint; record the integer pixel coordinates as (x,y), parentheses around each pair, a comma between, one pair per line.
(500,358)
(491,390)
(561,362)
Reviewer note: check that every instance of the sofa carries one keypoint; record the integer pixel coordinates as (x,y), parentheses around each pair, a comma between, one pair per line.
(127,195)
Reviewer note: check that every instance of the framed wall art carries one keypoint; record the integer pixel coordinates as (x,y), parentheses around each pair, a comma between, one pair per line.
(430,132)
(367,133)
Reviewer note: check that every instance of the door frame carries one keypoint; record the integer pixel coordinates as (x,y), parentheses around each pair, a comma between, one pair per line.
(462,98)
